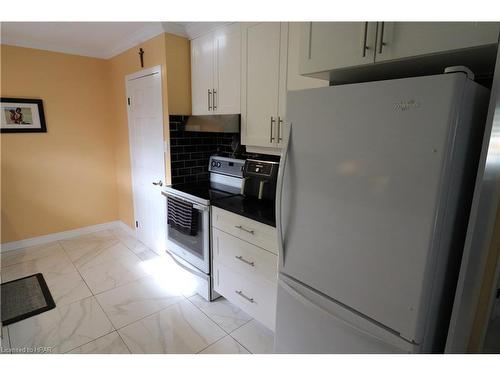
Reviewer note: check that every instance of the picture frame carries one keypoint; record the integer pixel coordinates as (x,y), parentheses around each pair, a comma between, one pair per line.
(22,116)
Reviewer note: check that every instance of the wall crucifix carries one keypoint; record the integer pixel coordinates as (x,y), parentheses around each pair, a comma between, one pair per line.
(141,56)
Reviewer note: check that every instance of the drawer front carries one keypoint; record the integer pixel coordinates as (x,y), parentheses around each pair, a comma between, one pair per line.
(256,297)
(244,257)
(252,231)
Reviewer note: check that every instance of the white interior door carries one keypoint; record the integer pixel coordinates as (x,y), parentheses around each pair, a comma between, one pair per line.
(145,115)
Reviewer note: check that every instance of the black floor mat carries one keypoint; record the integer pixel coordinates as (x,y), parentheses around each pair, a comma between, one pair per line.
(25,297)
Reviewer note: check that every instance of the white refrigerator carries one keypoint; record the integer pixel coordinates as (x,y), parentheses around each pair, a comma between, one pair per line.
(373,197)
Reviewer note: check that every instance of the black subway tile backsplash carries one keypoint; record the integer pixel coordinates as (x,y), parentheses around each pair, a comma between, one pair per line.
(190,151)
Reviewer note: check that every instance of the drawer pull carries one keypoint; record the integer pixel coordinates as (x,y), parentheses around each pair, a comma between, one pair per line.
(251,231)
(239,257)
(241,294)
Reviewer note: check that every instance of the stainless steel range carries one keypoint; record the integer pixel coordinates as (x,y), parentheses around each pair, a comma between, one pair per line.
(188,224)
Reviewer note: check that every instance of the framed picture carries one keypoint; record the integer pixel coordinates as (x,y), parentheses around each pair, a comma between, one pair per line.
(22,116)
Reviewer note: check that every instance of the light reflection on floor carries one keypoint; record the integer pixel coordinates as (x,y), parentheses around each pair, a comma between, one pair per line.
(170,276)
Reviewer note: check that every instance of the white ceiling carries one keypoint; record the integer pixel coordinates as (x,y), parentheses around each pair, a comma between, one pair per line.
(95,39)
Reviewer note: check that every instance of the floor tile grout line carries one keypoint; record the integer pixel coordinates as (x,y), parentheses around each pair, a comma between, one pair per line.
(124,342)
(209,345)
(97,338)
(227,333)
(29,260)
(92,293)
(209,317)
(238,340)
(149,315)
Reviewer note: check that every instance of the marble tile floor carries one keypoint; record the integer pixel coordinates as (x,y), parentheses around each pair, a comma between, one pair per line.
(114,295)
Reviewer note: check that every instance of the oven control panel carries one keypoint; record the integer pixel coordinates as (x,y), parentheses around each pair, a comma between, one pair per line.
(228,166)
(260,168)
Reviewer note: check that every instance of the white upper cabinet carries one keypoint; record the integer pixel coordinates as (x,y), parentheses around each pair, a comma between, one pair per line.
(327,46)
(398,40)
(228,72)
(215,72)
(335,45)
(202,68)
(263,91)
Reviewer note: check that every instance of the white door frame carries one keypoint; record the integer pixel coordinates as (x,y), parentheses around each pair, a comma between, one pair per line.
(130,77)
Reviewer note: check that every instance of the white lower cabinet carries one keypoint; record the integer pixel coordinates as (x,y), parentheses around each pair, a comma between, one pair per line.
(255,296)
(244,272)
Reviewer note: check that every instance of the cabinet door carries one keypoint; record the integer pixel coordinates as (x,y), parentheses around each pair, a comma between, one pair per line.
(334,45)
(227,83)
(202,71)
(408,39)
(260,83)
(282,84)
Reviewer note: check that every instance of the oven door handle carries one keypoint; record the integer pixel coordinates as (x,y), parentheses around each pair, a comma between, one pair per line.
(196,206)
(200,207)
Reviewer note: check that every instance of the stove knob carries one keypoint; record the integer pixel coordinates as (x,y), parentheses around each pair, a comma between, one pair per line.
(213,164)
(218,164)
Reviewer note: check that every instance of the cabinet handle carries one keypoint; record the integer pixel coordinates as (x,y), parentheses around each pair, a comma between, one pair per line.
(382,43)
(280,121)
(215,97)
(241,294)
(239,257)
(209,97)
(271,139)
(365,36)
(251,231)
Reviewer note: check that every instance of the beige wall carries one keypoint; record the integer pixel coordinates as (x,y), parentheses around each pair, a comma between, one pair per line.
(178,61)
(65,178)
(78,173)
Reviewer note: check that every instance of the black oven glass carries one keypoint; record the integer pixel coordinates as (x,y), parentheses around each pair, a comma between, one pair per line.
(193,244)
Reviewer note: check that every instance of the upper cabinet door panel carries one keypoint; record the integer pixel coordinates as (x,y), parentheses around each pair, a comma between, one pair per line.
(228,69)
(334,45)
(408,39)
(261,72)
(202,71)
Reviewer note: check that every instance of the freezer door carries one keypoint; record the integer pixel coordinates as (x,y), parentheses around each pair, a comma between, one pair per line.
(361,187)
(310,323)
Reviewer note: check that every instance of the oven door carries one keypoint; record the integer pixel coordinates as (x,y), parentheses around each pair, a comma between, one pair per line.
(194,249)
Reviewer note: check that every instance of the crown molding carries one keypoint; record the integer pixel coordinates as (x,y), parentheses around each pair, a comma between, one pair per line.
(19,42)
(140,36)
(175,28)
(190,30)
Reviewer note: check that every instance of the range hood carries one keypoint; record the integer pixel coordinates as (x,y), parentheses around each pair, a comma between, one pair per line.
(213,123)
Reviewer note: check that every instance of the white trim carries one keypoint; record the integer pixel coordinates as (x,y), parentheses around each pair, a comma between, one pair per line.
(132,40)
(140,36)
(15,245)
(175,28)
(263,150)
(143,73)
(126,228)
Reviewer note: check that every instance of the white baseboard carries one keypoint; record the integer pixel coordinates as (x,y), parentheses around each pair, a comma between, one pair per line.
(15,245)
(126,228)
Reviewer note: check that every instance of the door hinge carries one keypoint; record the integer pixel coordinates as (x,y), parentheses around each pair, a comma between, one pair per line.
(128,101)
(136,224)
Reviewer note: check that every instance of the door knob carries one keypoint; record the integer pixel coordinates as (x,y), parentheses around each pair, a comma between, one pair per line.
(159,183)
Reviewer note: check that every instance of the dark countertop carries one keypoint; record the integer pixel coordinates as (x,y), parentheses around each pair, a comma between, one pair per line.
(262,211)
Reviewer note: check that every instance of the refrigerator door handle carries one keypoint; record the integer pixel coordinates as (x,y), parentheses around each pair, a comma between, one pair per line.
(307,302)
(279,189)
